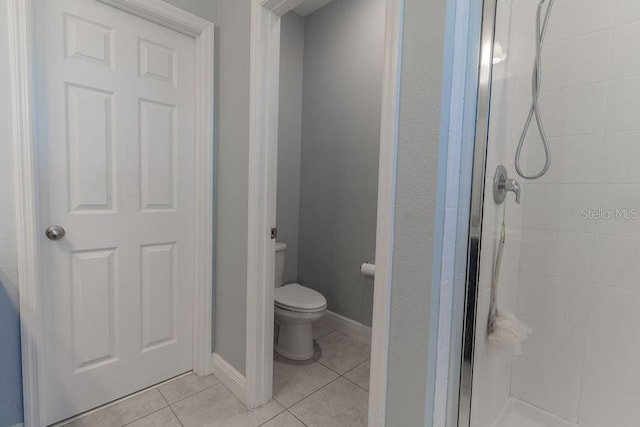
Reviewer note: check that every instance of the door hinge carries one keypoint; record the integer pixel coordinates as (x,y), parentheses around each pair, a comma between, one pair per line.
(274,233)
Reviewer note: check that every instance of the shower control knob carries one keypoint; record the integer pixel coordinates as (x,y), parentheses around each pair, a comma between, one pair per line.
(55,232)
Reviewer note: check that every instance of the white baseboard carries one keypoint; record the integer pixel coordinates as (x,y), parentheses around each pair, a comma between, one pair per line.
(230,377)
(348,327)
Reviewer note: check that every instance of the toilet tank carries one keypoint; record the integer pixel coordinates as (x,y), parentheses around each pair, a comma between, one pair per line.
(281,251)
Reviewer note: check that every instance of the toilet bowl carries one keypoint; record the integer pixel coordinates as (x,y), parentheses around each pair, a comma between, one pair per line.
(296,307)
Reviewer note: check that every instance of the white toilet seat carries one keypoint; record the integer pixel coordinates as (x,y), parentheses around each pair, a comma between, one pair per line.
(297,298)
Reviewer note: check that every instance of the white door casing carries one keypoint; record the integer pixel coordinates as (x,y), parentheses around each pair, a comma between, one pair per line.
(265,51)
(117,164)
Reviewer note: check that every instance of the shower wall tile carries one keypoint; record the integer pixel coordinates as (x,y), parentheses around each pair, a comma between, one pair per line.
(616,262)
(576,159)
(573,18)
(623,104)
(627,11)
(577,61)
(557,253)
(624,374)
(559,206)
(614,312)
(561,301)
(603,406)
(622,201)
(626,41)
(553,382)
(620,154)
(578,282)
(575,110)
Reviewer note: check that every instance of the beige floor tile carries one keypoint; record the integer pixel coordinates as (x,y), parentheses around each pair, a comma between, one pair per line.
(162,418)
(217,406)
(360,374)
(124,412)
(295,380)
(284,420)
(321,328)
(340,404)
(341,352)
(186,386)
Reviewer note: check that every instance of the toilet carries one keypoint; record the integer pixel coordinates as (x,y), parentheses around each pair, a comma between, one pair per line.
(296,308)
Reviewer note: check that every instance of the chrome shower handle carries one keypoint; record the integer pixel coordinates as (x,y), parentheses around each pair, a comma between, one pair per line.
(502,183)
(512,185)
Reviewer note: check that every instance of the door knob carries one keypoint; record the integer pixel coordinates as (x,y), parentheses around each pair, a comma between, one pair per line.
(55,232)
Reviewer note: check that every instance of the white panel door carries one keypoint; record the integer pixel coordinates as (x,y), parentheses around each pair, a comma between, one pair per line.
(115,108)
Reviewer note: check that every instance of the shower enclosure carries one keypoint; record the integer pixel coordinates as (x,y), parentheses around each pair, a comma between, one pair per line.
(570,269)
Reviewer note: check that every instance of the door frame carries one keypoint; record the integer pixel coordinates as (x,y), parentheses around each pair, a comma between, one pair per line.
(263,143)
(28,228)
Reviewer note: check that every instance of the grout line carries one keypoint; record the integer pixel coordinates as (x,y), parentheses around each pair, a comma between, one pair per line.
(276,415)
(294,416)
(145,416)
(321,388)
(198,392)
(176,415)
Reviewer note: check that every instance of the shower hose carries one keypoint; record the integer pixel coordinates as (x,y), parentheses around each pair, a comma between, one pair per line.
(534,110)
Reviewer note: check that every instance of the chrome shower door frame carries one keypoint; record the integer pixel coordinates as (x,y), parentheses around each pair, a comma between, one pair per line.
(485,69)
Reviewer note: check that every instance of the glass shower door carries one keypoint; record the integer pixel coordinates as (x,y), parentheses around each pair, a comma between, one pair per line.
(553,325)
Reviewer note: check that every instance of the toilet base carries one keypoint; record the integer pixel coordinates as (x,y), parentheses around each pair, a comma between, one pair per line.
(295,341)
(295,333)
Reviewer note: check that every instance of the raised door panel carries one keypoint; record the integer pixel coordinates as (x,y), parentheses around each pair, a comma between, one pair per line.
(158,295)
(157,155)
(90,146)
(93,311)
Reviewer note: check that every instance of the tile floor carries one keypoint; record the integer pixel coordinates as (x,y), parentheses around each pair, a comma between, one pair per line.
(329,390)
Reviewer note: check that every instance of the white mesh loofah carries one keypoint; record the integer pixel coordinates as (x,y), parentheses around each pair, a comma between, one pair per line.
(509,332)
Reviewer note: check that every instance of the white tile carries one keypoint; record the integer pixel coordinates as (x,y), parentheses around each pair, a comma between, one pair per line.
(186,386)
(340,352)
(577,61)
(623,203)
(557,253)
(623,104)
(613,362)
(339,404)
(617,262)
(574,111)
(553,382)
(217,406)
(559,300)
(620,154)
(594,15)
(627,11)
(625,62)
(559,206)
(614,312)
(602,406)
(162,418)
(124,412)
(293,380)
(574,159)
(284,420)
(360,374)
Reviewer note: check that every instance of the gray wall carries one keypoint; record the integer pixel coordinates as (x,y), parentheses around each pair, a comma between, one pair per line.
(234,18)
(10,362)
(419,214)
(342,89)
(290,138)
